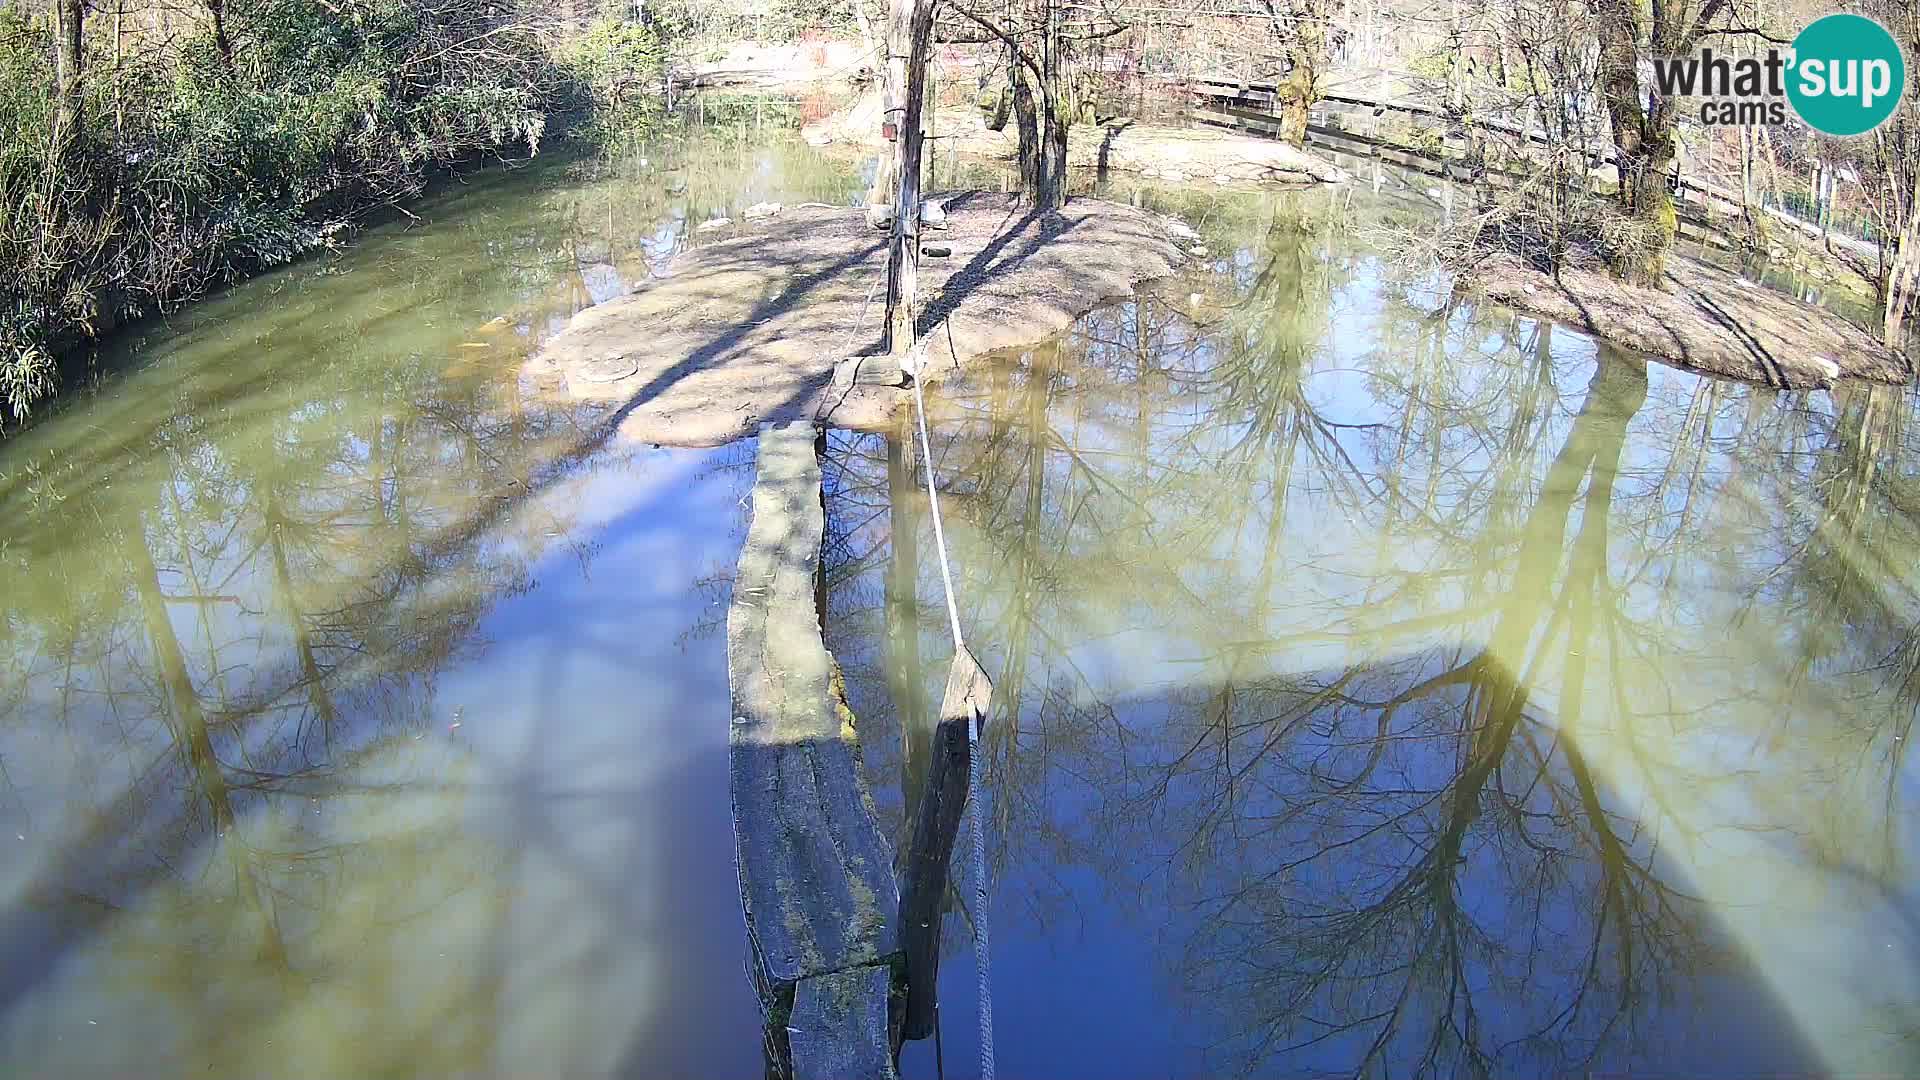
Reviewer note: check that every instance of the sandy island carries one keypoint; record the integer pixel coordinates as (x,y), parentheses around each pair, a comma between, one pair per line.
(1156,151)
(1705,320)
(752,327)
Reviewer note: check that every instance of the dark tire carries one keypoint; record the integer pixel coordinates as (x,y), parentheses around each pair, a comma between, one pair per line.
(1002,108)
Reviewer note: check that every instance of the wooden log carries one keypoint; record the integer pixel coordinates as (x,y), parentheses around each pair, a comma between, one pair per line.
(923,886)
(814,868)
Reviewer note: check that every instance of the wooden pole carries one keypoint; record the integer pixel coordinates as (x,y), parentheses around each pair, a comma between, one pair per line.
(893,104)
(943,799)
(910,34)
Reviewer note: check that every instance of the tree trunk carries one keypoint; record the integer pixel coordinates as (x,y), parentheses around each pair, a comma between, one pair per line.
(1051,193)
(1646,199)
(1903,283)
(1042,107)
(1643,145)
(217,12)
(1026,118)
(68,65)
(1300,88)
(1644,133)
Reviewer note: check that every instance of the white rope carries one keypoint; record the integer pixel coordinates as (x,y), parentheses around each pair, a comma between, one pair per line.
(939,534)
(981,965)
(980,950)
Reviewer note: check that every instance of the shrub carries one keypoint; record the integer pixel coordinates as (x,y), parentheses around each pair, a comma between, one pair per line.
(617,66)
(193,164)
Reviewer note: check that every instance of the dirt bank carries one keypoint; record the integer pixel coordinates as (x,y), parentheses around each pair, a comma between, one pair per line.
(750,66)
(750,328)
(1202,154)
(1706,320)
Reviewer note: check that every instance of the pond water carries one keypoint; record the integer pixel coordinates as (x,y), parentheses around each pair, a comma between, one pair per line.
(1383,685)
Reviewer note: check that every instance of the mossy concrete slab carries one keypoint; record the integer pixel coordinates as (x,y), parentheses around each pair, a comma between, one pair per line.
(816,874)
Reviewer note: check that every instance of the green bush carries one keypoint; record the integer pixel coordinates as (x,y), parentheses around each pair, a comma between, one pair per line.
(191,166)
(618,65)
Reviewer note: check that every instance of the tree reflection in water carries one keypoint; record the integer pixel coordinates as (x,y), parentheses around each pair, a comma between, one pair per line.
(1434,692)
(253,836)
(1435,667)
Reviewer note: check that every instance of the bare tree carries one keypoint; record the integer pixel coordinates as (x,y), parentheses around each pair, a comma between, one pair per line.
(1895,161)
(1644,119)
(1045,41)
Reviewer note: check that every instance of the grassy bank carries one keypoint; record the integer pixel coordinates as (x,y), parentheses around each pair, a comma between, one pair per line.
(156,153)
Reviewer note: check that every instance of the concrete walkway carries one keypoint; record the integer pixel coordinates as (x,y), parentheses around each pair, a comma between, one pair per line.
(816,874)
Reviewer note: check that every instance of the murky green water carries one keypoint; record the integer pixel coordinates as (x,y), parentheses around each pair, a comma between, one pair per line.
(1381,685)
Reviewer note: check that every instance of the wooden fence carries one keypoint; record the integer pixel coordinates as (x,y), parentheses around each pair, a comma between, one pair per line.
(1358,126)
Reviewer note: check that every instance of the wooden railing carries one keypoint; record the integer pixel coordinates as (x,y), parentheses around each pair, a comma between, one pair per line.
(1248,105)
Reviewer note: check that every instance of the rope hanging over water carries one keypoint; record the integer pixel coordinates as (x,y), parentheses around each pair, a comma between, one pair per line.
(982,967)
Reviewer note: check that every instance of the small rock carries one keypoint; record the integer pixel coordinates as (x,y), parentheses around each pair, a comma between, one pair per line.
(935,251)
(1826,367)
(761,210)
(1222,178)
(870,371)
(1198,249)
(712,224)
(605,369)
(1174,176)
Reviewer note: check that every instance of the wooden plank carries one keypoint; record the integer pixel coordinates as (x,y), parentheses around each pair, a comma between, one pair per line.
(1608,156)
(1233,85)
(923,886)
(1270,126)
(1389,106)
(1360,144)
(1373,148)
(815,871)
(1252,98)
(1255,116)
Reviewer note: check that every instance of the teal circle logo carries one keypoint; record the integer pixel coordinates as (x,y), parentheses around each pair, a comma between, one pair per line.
(1847,75)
